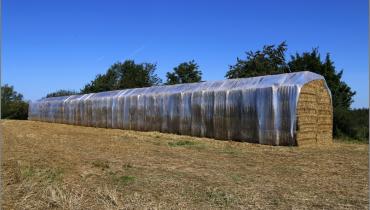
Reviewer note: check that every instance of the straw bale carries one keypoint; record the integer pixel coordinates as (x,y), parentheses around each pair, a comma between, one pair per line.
(314,117)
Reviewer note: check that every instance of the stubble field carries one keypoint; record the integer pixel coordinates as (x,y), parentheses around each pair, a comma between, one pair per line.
(59,166)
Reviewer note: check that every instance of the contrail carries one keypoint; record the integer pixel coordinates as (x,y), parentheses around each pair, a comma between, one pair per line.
(138,50)
(100,58)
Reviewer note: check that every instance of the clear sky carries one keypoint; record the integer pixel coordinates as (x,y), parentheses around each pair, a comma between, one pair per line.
(62,44)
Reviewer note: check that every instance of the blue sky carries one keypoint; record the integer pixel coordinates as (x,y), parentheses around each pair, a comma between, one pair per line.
(62,44)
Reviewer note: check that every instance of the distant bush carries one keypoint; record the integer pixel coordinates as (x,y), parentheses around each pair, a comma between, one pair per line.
(62,93)
(12,104)
(123,75)
(186,72)
(352,124)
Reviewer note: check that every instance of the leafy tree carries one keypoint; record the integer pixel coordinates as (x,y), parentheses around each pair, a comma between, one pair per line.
(12,104)
(103,82)
(342,94)
(133,75)
(61,93)
(186,72)
(271,60)
(124,75)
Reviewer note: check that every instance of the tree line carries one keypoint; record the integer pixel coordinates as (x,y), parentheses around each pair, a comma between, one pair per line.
(271,59)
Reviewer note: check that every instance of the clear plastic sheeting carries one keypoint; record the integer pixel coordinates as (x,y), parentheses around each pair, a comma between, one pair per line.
(259,109)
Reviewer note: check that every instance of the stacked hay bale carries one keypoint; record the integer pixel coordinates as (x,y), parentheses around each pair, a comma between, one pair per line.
(285,109)
(314,114)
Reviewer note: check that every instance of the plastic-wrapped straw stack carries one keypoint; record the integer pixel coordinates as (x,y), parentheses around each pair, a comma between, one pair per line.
(258,109)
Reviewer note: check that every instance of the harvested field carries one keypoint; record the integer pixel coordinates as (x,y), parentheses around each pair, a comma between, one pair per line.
(48,165)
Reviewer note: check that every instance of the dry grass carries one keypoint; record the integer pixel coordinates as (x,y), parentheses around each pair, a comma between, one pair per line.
(58,166)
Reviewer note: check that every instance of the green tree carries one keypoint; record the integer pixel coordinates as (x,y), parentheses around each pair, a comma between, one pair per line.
(271,60)
(61,93)
(186,72)
(342,94)
(124,75)
(12,104)
(103,82)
